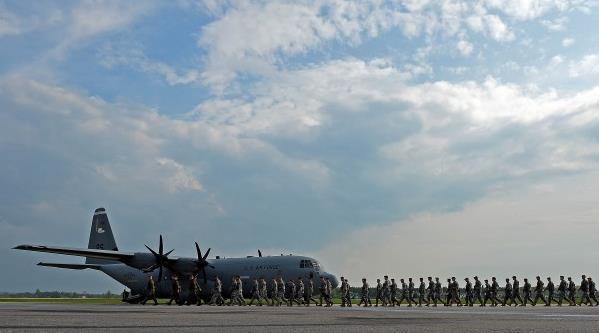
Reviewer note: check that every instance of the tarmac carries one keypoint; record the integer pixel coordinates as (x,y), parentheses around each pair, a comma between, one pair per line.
(29,317)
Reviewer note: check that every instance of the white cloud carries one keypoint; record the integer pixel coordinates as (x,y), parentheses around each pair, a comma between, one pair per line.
(465,47)
(558,24)
(567,42)
(529,9)
(510,231)
(181,179)
(589,64)
(497,29)
(10,24)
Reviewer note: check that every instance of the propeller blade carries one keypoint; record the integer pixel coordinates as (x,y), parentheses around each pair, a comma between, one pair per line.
(259,253)
(204,276)
(206,254)
(160,274)
(160,247)
(198,251)
(154,253)
(169,252)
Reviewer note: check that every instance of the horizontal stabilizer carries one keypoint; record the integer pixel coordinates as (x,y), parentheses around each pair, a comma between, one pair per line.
(90,253)
(69,266)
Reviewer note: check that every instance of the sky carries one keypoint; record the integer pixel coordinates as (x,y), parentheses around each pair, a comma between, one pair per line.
(409,138)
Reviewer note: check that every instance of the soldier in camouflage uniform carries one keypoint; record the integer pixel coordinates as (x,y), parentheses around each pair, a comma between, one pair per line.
(469,294)
(456,291)
(280,291)
(365,298)
(379,291)
(386,291)
(494,292)
(411,291)
(342,289)
(290,292)
(539,292)
(195,291)
(421,293)
(562,288)
(263,291)
(323,291)
(592,291)
(393,292)
(526,291)
(430,291)
(256,293)
(176,290)
(507,293)
(488,293)
(516,291)
(438,289)
(347,293)
(308,297)
(404,293)
(274,292)
(217,293)
(299,291)
(329,292)
(449,293)
(478,291)
(150,291)
(571,291)
(584,291)
(550,292)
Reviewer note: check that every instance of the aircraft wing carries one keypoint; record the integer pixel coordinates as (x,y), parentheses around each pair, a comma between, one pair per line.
(69,266)
(70,251)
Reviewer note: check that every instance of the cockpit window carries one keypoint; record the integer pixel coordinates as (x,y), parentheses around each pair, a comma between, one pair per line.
(309,264)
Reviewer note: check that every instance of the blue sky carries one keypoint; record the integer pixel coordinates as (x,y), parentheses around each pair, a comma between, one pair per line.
(428,128)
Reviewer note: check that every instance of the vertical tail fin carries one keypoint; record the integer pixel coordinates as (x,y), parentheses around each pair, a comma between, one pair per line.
(101,237)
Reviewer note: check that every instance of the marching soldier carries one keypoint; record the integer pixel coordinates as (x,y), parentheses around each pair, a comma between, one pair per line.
(430,291)
(507,292)
(469,295)
(550,291)
(539,292)
(150,291)
(438,289)
(592,291)
(516,291)
(195,292)
(494,291)
(404,293)
(176,290)
(347,293)
(234,291)
(449,293)
(572,291)
(386,291)
(323,290)
(263,292)
(526,291)
(478,291)
(256,293)
(421,293)
(456,291)
(411,291)
(393,292)
(562,289)
(329,292)
(290,293)
(379,291)
(280,291)
(584,291)
(299,291)
(240,298)
(308,296)
(217,293)
(364,294)
(342,288)
(488,293)
(274,292)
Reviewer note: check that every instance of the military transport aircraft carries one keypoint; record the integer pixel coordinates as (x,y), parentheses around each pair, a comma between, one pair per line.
(133,268)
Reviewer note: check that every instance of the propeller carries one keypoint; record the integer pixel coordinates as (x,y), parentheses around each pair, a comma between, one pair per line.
(201,263)
(259,253)
(161,259)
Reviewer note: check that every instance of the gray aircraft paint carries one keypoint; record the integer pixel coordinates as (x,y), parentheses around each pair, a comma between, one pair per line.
(102,238)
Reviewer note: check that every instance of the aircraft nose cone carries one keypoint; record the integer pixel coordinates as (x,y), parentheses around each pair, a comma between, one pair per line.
(333,280)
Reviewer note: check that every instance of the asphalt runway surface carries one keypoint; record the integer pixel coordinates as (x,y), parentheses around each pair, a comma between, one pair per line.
(28,317)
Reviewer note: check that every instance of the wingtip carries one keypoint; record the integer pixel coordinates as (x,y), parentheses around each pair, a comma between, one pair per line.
(20,247)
